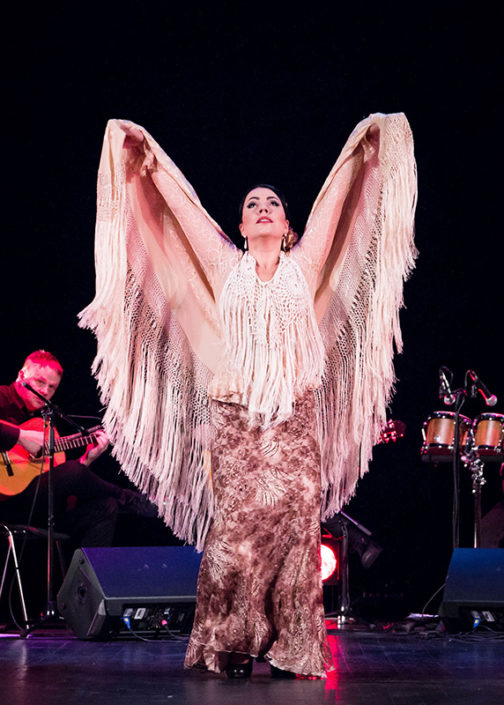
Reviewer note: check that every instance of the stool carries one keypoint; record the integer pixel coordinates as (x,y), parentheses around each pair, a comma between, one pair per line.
(27,532)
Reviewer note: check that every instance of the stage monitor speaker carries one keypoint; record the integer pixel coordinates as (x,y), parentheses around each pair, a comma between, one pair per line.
(112,592)
(474,591)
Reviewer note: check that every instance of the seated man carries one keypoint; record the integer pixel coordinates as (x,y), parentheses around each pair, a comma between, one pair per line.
(92,516)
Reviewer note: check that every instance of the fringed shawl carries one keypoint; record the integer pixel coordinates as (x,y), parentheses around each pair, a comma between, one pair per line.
(161,264)
(359,242)
(274,351)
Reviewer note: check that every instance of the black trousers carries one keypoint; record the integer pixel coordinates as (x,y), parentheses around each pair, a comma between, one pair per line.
(85,505)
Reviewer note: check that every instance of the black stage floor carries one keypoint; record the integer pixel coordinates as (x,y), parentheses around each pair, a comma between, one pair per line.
(373,667)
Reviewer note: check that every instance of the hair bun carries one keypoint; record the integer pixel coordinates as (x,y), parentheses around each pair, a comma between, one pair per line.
(290,239)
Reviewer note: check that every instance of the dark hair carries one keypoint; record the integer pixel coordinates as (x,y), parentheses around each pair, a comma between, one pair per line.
(278,193)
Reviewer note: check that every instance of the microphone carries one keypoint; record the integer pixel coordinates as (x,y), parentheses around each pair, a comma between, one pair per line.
(445,391)
(30,388)
(34,391)
(490,399)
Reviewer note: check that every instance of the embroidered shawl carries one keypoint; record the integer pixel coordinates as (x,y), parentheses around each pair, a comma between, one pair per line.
(161,265)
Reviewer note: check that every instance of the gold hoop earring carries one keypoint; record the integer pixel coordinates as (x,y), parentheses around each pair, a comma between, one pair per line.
(284,243)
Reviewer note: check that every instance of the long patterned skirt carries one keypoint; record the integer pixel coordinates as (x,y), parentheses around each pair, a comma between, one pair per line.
(259,587)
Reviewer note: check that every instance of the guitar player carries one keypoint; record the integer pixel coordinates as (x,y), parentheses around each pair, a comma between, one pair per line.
(85,505)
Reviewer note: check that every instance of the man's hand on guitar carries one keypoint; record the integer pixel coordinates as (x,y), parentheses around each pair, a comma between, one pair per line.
(94,450)
(31,440)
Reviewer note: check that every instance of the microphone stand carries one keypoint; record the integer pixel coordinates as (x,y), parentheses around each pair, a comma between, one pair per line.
(472,460)
(49,412)
(460,397)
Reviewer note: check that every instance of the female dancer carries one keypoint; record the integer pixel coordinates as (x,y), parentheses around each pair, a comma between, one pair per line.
(245,391)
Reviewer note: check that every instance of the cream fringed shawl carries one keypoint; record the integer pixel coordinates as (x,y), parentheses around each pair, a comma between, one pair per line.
(161,265)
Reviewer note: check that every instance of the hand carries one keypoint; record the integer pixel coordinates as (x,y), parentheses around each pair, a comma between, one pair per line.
(94,450)
(32,441)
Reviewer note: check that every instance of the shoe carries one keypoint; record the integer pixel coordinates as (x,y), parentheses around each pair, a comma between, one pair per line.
(239,670)
(135,503)
(280,673)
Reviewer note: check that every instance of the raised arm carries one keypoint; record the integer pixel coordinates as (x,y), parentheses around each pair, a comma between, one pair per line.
(357,250)
(160,261)
(375,171)
(173,201)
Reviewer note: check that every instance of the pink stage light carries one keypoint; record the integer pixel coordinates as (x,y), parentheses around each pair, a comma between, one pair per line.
(328,561)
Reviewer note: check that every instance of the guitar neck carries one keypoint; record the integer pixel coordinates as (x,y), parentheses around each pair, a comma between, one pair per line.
(77,440)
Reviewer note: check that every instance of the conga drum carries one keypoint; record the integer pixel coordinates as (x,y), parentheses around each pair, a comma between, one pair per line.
(439,436)
(488,432)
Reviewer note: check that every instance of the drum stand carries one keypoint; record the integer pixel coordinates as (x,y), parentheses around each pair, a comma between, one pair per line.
(476,466)
(472,460)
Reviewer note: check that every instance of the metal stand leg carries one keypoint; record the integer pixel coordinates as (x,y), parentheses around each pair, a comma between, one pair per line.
(351,536)
(12,549)
(476,466)
(477,483)
(344,602)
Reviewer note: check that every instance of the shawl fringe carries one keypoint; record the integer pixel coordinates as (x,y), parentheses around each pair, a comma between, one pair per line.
(152,384)
(361,321)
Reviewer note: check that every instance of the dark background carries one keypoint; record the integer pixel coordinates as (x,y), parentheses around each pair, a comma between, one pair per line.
(240,93)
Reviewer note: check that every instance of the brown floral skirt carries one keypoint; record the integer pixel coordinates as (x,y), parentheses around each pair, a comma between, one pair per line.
(259,587)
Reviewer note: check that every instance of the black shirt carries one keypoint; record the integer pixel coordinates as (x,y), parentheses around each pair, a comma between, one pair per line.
(12,407)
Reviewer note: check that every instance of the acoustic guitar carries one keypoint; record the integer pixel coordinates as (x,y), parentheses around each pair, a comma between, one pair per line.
(18,467)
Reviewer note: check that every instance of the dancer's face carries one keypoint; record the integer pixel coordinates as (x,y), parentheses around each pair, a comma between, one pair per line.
(263,215)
